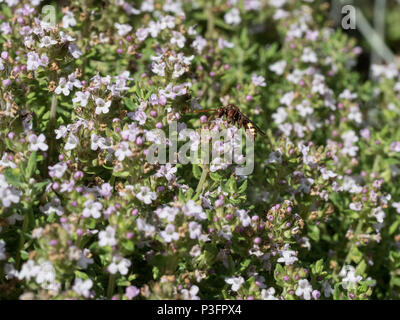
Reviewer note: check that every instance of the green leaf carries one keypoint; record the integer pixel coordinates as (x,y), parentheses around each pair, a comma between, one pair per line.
(215,176)
(336,292)
(122,174)
(196,171)
(122,283)
(128,245)
(314,233)
(318,267)
(393,228)
(362,266)
(243,187)
(24,255)
(81,275)
(12,178)
(156,273)
(31,166)
(356,254)
(245,264)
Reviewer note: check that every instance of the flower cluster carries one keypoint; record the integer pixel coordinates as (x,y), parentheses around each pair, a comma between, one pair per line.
(85,215)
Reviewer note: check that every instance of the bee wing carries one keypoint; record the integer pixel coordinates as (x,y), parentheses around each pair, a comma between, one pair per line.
(253,125)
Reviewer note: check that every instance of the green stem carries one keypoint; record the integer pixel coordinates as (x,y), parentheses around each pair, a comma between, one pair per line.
(210,19)
(354,241)
(111,284)
(22,239)
(52,121)
(203,178)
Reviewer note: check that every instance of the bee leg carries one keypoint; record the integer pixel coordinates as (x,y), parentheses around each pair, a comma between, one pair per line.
(210,117)
(240,123)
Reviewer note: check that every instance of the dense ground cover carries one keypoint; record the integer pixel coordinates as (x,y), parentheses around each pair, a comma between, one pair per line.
(84,215)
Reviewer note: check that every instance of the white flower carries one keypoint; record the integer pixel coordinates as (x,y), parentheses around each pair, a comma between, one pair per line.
(82,287)
(287,98)
(107,237)
(54,206)
(148,229)
(222,43)
(396,205)
(63,87)
(167,212)
(304,289)
(99,142)
(120,265)
(6,162)
(288,257)
(199,44)
(167,171)
(46,273)
(233,17)
(278,67)
(258,80)
(191,294)
(72,142)
(244,217)
(82,98)
(102,106)
(191,209)
(252,5)
(356,206)
(131,133)
(47,42)
(349,139)
(92,209)
(277,3)
(225,232)
(169,233)
(68,20)
(37,143)
(327,174)
(348,95)
(195,251)
(34,61)
(304,108)
(178,39)
(154,28)
(280,115)
(195,230)
(58,170)
(8,194)
(235,282)
(142,34)
(268,294)
(159,68)
(74,51)
(146,195)
(350,279)
(309,56)
(218,164)
(123,29)
(123,151)
(139,116)
(29,270)
(61,132)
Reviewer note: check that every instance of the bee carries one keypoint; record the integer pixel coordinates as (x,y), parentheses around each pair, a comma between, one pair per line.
(233,115)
